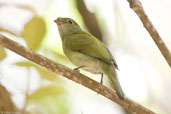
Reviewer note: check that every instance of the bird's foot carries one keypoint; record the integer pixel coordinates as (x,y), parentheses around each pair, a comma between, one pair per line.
(101,81)
(77,69)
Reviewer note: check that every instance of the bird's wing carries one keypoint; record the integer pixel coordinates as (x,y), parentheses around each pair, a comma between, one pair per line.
(113,60)
(89,45)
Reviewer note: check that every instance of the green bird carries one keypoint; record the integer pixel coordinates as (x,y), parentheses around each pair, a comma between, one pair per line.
(87,52)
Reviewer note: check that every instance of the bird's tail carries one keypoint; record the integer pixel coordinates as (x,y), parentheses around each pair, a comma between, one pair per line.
(117,87)
(115,84)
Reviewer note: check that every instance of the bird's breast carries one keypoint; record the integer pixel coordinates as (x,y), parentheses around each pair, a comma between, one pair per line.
(87,63)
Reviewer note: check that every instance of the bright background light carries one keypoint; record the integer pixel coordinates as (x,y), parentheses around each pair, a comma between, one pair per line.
(143,72)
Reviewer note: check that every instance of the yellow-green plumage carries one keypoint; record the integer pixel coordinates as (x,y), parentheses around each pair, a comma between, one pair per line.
(86,51)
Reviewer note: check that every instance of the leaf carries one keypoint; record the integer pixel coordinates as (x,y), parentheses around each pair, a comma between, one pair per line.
(2,53)
(44,73)
(51,99)
(51,90)
(25,64)
(34,32)
(47,74)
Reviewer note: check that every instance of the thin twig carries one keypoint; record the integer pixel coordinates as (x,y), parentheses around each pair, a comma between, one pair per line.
(138,8)
(72,75)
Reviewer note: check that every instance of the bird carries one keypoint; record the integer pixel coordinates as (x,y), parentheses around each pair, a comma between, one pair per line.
(87,52)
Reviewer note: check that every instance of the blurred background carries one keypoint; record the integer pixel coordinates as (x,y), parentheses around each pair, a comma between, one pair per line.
(28,88)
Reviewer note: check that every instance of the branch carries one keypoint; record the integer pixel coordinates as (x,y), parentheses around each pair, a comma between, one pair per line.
(89,19)
(72,75)
(138,8)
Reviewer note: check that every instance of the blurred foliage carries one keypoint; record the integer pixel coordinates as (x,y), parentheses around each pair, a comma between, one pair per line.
(25,64)
(44,73)
(50,98)
(47,74)
(34,32)
(2,53)
(45,100)
(6,103)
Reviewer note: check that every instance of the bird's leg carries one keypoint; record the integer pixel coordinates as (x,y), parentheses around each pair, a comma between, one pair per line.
(77,69)
(101,81)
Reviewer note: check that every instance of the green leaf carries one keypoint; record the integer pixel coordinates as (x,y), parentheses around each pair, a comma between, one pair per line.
(34,32)
(51,99)
(44,73)
(25,64)
(2,53)
(47,74)
(48,91)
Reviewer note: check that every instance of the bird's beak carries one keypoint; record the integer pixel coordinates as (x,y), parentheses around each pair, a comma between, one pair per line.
(58,22)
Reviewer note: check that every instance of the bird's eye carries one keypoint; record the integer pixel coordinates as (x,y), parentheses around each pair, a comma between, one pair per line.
(70,22)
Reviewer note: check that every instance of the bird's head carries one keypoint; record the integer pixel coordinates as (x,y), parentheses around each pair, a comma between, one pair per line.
(67,26)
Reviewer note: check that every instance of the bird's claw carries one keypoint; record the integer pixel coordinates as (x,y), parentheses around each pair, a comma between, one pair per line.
(101,81)
(77,69)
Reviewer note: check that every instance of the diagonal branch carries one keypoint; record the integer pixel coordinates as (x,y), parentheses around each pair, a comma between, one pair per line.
(72,75)
(138,8)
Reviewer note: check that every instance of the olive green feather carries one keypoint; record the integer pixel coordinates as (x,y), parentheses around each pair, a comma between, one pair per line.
(92,47)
